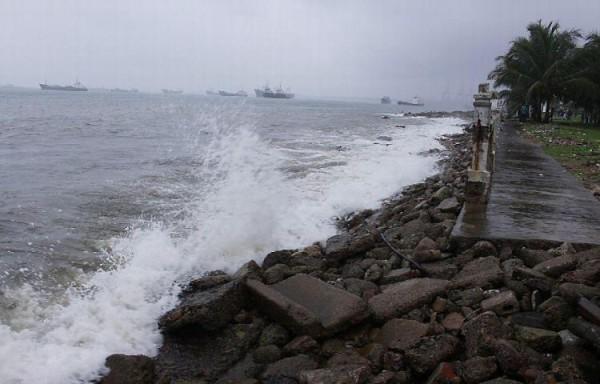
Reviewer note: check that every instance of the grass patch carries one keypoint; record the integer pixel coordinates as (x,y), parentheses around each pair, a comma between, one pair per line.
(575,146)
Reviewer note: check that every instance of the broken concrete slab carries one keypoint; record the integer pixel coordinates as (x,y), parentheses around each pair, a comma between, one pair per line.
(401,334)
(309,306)
(504,303)
(400,298)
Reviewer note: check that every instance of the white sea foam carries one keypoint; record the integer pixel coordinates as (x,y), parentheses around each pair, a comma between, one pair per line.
(247,208)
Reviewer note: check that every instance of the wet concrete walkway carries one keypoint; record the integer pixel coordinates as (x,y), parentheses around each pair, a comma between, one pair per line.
(532,198)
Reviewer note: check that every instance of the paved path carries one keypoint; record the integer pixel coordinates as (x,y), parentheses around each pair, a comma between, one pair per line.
(532,198)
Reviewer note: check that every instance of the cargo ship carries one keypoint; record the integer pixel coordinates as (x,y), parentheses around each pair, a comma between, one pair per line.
(238,93)
(77,86)
(415,102)
(279,93)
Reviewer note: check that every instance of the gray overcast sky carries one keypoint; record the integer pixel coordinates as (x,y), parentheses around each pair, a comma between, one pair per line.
(317,47)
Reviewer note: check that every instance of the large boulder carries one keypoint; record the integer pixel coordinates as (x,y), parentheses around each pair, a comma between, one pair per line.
(125,369)
(308,306)
(480,332)
(400,298)
(208,309)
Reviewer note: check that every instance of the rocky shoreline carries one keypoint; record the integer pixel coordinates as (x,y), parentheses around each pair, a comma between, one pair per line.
(390,299)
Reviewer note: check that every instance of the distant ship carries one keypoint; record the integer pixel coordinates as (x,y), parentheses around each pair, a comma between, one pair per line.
(77,86)
(210,92)
(119,90)
(415,102)
(279,93)
(386,100)
(172,91)
(238,93)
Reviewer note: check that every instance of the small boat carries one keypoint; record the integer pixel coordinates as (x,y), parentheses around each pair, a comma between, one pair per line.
(386,100)
(415,102)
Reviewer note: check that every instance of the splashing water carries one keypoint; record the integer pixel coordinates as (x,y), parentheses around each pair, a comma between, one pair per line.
(247,205)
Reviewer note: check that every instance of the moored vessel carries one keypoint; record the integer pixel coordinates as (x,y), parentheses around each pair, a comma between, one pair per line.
(77,86)
(278,93)
(386,100)
(415,102)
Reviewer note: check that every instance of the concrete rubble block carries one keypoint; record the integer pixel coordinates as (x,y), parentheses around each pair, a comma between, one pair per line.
(589,310)
(483,272)
(572,292)
(339,375)
(542,340)
(509,357)
(477,369)
(430,351)
(556,312)
(400,298)
(209,309)
(556,266)
(484,248)
(301,344)
(480,332)
(309,306)
(342,246)
(504,303)
(408,235)
(533,279)
(468,297)
(288,368)
(441,194)
(401,334)
(532,257)
(587,272)
(440,269)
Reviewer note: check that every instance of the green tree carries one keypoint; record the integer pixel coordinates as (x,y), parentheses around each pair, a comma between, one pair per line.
(537,69)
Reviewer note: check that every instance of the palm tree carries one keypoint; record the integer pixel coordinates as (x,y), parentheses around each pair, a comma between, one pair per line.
(535,70)
(584,90)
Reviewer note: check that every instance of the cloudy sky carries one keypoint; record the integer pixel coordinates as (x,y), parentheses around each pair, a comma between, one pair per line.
(317,47)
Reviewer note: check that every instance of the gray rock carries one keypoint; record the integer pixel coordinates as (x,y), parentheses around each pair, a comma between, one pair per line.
(453,321)
(450,204)
(441,194)
(504,303)
(431,351)
(480,332)
(353,270)
(484,248)
(340,247)
(249,270)
(400,298)
(401,334)
(509,357)
(586,331)
(529,319)
(137,369)
(209,309)
(192,355)
(276,273)
(468,297)
(274,334)
(556,266)
(478,369)
(532,257)
(542,340)
(398,275)
(206,282)
(266,354)
(572,292)
(408,235)
(307,305)
(483,272)
(301,344)
(501,380)
(339,375)
(361,288)
(289,367)
(277,257)
(242,372)
(556,312)
(374,273)
(427,250)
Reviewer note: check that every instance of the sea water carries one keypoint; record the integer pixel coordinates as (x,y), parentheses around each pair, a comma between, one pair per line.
(109,203)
